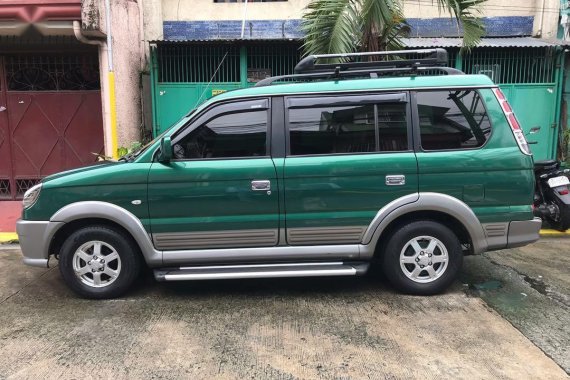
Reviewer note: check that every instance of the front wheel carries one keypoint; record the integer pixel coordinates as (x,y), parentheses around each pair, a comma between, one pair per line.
(422,258)
(98,262)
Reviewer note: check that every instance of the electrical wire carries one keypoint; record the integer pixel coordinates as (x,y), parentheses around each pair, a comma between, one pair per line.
(211,79)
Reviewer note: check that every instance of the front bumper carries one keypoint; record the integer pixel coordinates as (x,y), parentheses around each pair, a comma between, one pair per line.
(34,237)
(523,232)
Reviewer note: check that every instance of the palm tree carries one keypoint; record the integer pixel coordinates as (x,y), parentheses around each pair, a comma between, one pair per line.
(345,26)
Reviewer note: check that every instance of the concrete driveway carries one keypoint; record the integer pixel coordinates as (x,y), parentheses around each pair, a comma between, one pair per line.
(280,329)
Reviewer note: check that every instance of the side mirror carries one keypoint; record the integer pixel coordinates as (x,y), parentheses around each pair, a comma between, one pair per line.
(165,154)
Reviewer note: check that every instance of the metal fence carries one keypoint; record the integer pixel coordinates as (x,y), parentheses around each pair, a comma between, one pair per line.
(185,63)
(511,65)
(221,63)
(274,60)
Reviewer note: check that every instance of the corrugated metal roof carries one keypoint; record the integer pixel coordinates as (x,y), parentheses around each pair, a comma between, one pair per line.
(504,42)
(418,42)
(228,40)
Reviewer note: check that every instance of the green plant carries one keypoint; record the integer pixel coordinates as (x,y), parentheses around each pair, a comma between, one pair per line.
(122,150)
(345,26)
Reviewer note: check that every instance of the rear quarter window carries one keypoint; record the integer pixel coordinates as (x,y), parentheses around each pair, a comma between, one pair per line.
(452,120)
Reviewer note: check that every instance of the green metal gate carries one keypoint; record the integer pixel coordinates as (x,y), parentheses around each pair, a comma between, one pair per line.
(531,79)
(185,74)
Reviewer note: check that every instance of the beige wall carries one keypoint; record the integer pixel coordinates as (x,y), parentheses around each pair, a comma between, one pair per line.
(127,57)
(152,29)
(192,10)
(208,10)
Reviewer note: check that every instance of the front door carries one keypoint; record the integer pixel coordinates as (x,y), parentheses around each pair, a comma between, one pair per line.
(220,190)
(347,157)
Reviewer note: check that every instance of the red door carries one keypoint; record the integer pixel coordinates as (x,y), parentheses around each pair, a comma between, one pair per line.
(52,119)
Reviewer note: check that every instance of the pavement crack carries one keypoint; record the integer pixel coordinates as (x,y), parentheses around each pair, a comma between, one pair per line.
(26,285)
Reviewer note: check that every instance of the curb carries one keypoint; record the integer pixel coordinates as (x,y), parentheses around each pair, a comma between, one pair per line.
(554,233)
(8,237)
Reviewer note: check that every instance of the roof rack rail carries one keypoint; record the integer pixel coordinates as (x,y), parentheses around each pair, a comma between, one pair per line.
(430,57)
(309,70)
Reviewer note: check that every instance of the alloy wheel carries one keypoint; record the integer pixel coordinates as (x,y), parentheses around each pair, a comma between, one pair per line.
(96,264)
(424,259)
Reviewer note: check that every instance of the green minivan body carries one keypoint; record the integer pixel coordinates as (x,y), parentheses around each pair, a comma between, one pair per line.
(316,178)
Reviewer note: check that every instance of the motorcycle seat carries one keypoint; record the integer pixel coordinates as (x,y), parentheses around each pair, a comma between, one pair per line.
(545,164)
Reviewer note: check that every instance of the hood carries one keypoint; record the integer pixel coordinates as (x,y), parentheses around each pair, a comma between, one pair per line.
(97,165)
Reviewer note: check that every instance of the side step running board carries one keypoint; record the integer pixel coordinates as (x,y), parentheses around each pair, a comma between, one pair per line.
(226,272)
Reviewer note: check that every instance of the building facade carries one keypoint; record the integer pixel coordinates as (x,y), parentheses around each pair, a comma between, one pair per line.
(62,101)
(206,19)
(246,41)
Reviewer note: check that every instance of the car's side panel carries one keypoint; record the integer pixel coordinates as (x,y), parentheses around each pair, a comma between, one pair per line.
(496,180)
(104,210)
(342,191)
(441,203)
(121,184)
(200,204)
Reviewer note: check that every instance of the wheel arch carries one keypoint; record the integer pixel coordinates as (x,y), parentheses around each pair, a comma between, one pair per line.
(80,214)
(442,208)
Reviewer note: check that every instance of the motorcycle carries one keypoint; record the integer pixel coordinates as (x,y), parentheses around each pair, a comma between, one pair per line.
(552,194)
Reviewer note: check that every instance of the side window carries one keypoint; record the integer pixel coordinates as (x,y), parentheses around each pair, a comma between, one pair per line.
(347,129)
(226,135)
(452,120)
(392,127)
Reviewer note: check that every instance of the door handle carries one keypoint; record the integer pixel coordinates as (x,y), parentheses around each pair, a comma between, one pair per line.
(395,180)
(261,185)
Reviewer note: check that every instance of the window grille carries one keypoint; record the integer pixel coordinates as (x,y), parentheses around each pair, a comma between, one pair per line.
(198,63)
(5,192)
(23,185)
(512,65)
(52,72)
(277,59)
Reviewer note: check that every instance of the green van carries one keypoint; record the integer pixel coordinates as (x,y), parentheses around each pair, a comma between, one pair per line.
(402,162)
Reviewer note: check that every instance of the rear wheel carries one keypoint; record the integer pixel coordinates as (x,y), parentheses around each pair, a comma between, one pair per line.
(563,222)
(98,262)
(422,258)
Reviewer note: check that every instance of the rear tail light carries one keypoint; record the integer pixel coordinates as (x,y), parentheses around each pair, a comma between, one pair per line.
(564,192)
(513,122)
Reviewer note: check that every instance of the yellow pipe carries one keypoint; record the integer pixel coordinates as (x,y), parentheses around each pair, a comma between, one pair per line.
(113,109)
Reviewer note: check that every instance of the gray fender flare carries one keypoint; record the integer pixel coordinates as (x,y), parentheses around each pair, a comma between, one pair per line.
(114,213)
(427,202)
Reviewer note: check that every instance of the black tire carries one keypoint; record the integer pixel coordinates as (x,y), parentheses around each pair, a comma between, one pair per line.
(563,223)
(393,248)
(128,262)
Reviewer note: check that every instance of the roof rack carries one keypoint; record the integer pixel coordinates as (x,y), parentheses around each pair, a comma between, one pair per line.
(424,60)
(430,57)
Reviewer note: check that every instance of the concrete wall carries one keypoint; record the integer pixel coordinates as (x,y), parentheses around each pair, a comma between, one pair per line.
(127,55)
(152,30)
(207,10)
